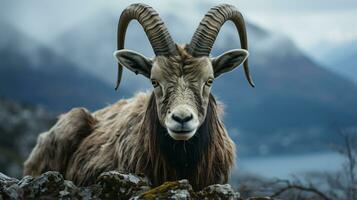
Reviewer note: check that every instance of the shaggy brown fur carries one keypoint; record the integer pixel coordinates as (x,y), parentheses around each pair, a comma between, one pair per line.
(127,136)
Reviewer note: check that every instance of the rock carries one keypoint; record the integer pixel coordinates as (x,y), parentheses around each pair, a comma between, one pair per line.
(109,185)
(224,192)
(8,187)
(116,185)
(47,186)
(169,190)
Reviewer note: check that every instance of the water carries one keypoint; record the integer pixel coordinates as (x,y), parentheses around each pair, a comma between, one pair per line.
(284,166)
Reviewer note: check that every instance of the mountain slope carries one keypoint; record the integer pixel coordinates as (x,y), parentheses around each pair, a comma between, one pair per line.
(33,73)
(341,59)
(296,105)
(97,48)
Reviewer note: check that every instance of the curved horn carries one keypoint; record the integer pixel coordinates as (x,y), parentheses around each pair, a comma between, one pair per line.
(206,33)
(153,26)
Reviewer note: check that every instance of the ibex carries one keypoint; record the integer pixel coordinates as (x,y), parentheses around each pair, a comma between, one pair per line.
(174,132)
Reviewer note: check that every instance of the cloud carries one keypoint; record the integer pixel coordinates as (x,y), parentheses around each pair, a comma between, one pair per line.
(308,23)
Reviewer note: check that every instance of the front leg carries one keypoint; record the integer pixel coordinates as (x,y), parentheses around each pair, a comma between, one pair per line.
(55,147)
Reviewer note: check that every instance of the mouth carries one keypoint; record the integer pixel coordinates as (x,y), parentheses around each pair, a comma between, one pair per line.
(181,134)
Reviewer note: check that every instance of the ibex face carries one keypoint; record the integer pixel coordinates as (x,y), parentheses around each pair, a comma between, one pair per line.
(182,85)
(181,76)
(181,89)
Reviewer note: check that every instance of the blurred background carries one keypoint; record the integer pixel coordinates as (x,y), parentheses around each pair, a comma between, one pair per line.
(56,55)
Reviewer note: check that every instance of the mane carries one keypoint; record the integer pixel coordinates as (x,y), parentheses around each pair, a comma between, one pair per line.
(203,159)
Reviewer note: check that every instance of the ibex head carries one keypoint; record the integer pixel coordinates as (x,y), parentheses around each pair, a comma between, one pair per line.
(181,76)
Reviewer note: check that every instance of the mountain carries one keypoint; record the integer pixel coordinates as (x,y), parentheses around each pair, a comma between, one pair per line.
(341,59)
(33,73)
(297,104)
(19,126)
(95,40)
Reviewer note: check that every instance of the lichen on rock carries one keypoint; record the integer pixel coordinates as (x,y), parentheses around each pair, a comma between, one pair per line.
(115,185)
(109,185)
(218,191)
(169,190)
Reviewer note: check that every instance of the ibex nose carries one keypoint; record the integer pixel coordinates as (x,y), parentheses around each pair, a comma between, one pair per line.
(182,122)
(182,118)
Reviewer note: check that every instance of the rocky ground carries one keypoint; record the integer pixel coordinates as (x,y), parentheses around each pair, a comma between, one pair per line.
(109,185)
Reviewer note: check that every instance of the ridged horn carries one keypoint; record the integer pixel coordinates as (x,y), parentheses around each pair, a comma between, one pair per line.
(154,28)
(206,33)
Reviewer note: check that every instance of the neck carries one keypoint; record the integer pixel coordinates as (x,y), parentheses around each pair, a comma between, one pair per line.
(171,159)
(183,156)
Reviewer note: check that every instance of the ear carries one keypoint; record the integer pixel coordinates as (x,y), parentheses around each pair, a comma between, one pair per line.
(228,61)
(134,61)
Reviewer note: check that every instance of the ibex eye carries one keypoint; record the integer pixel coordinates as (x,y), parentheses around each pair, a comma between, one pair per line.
(154,83)
(209,82)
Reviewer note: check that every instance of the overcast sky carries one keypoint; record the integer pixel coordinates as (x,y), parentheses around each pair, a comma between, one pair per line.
(312,24)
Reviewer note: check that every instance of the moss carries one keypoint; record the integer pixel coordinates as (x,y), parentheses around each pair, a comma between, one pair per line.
(158,191)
